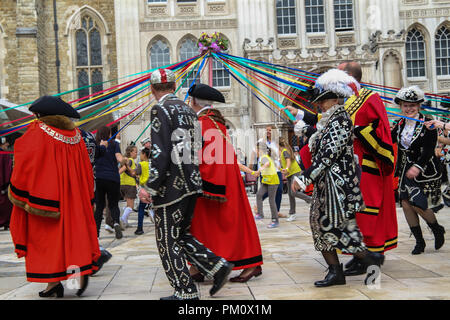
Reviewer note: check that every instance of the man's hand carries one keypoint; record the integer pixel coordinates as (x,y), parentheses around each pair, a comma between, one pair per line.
(299,128)
(413,172)
(299,184)
(104,143)
(291,109)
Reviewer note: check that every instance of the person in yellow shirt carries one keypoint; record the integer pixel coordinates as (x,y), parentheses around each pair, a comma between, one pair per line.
(290,168)
(128,188)
(269,184)
(143,173)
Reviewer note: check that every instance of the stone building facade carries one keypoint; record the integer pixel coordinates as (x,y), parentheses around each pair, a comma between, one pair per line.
(35,60)
(398,42)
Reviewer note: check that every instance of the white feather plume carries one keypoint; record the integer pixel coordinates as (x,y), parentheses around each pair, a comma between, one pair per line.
(337,81)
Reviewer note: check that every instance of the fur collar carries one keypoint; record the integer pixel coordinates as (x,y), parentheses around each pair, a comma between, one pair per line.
(214,114)
(58,122)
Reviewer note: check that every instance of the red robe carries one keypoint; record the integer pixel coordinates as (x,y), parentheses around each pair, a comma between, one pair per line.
(52,185)
(5,175)
(223,220)
(373,146)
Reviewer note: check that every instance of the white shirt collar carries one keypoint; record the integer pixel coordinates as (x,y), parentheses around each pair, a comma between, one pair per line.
(163,97)
(204,108)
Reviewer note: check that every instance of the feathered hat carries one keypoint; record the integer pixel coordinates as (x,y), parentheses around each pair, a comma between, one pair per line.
(410,94)
(334,84)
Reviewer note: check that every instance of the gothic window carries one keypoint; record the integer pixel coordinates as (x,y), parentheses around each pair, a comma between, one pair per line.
(188,50)
(315,16)
(415,54)
(286,20)
(159,55)
(89,62)
(442,41)
(343,15)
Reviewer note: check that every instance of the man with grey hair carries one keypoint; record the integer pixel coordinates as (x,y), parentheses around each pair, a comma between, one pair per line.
(223,218)
(175,184)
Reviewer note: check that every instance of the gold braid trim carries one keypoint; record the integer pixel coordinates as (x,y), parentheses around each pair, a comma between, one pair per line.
(214,198)
(29,209)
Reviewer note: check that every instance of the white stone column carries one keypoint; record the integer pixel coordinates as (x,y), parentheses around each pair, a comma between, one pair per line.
(127,35)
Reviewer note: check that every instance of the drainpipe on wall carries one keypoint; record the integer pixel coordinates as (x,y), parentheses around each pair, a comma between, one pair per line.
(57,63)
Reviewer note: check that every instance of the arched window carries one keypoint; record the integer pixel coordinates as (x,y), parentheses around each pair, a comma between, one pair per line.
(89,62)
(415,54)
(442,41)
(159,54)
(189,49)
(286,19)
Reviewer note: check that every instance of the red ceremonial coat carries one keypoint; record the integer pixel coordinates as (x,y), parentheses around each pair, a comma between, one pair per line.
(52,223)
(373,146)
(223,220)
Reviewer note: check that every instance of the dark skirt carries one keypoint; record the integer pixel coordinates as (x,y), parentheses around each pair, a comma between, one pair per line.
(423,195)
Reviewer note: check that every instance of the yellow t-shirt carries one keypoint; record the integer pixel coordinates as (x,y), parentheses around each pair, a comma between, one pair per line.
(294,168)
(127,180)
(269,174)
(145,172)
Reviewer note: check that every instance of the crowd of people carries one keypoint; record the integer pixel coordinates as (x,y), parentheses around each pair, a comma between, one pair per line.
(188,172)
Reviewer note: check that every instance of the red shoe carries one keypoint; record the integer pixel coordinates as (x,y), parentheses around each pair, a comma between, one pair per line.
(255,273)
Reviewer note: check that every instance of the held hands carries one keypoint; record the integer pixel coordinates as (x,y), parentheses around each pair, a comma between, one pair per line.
(413,172)
(299,183)
(256,173)
(435,124)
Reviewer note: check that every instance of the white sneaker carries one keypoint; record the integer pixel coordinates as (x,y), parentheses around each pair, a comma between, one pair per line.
(108,228)
(292,217)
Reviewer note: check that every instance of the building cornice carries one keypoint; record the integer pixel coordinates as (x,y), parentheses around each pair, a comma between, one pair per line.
(188,25)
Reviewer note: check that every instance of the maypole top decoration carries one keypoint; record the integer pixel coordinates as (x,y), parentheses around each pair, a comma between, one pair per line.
(215,43)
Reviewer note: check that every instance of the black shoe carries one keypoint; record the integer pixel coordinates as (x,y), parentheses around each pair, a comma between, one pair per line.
(221,277)
(139,232)
(438,232)
(173,297)
(356,269)
(104,258)
(198,277)
(349,264)
(420,242)
(118,231)
(372,259)
(58,290)
(438,208)
(419,247)
(335,276)
(84,286)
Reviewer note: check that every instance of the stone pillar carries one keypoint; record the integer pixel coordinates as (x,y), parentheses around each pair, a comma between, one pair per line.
(27,51)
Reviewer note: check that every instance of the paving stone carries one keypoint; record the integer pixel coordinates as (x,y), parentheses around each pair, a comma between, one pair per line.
(291,266)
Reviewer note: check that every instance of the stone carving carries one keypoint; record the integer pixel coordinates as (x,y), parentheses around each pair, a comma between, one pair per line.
(188,25)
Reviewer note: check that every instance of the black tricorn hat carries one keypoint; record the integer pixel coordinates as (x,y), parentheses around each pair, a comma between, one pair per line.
(205,92)
(53,106)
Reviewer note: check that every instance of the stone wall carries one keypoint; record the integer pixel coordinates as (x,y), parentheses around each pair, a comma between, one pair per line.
(29,46)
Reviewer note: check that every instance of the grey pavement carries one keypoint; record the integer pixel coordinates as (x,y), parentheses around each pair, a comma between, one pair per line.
(291,265)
